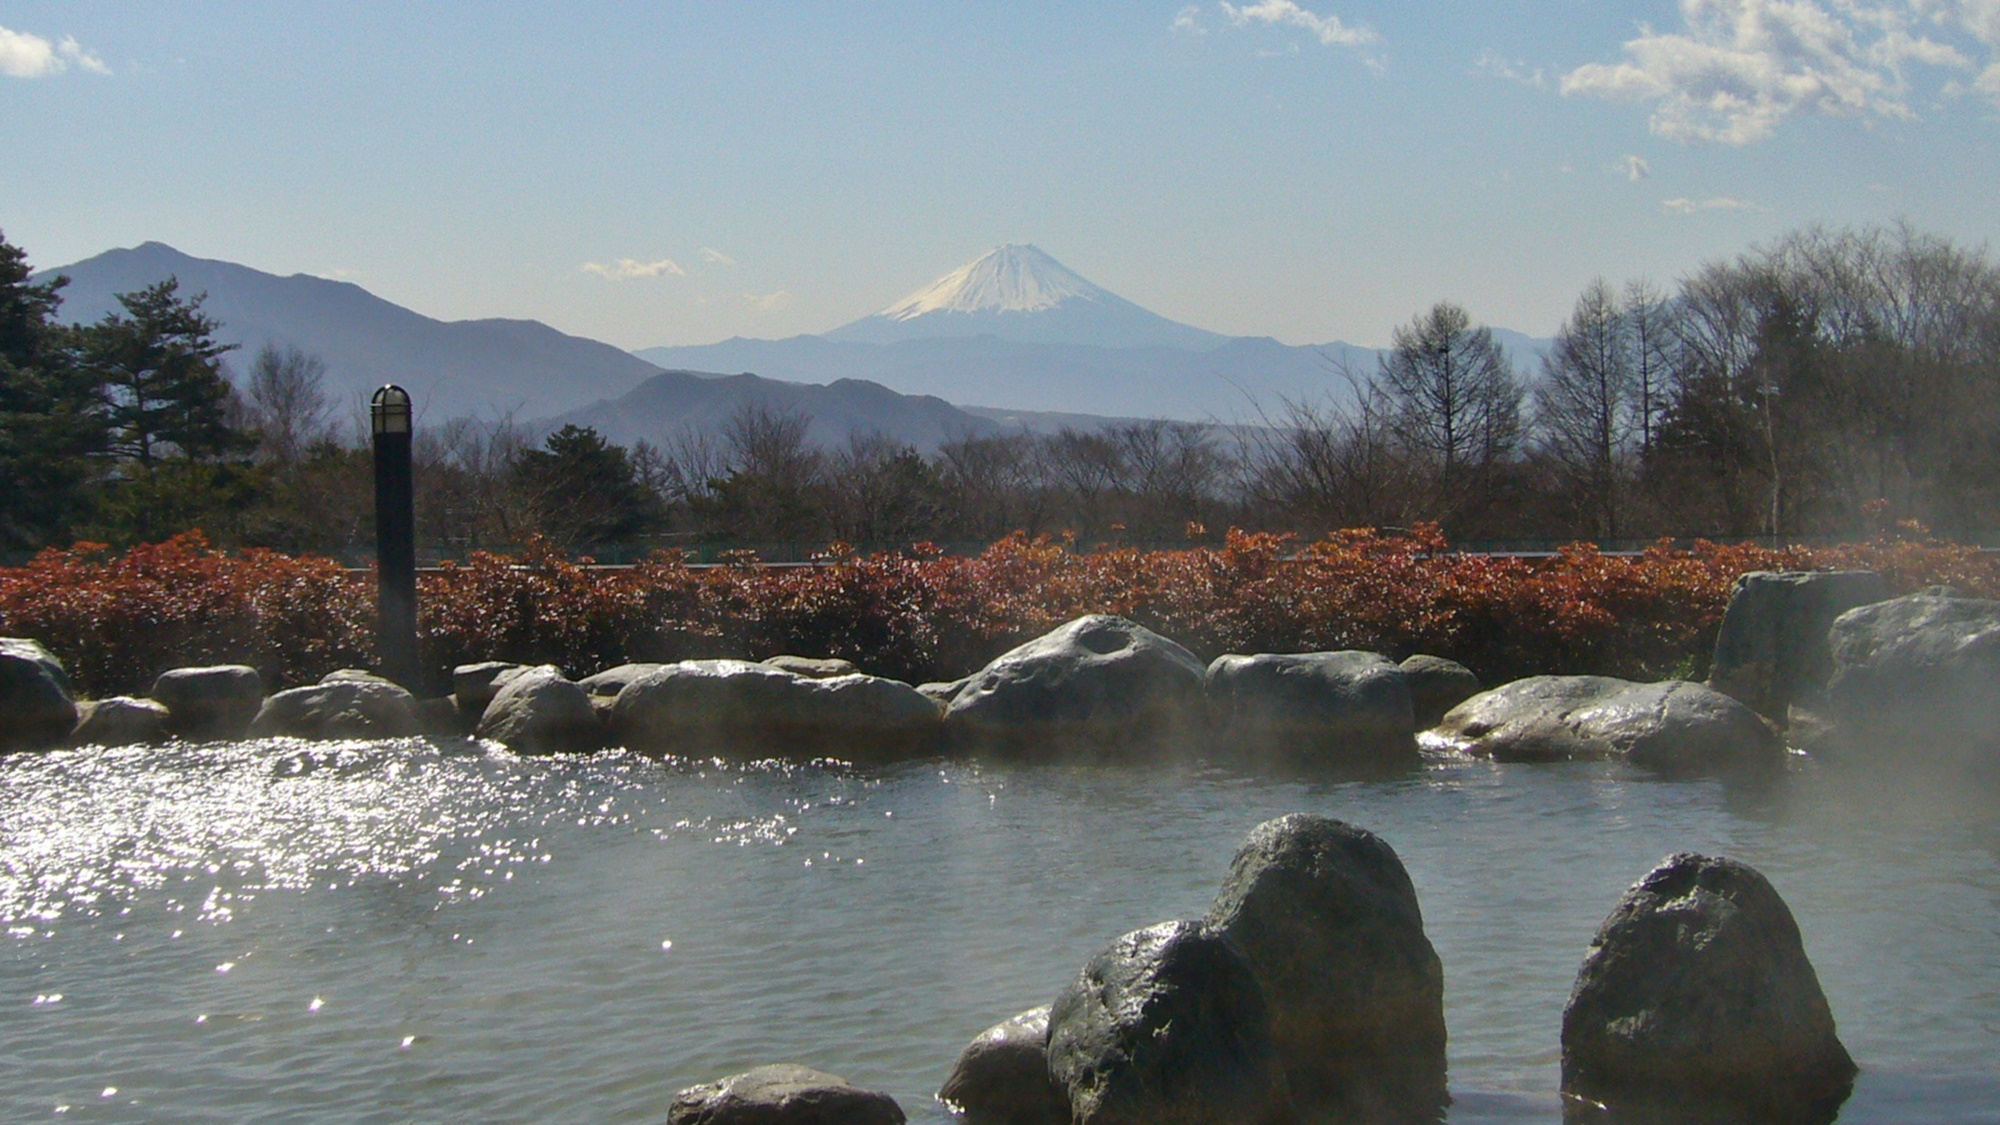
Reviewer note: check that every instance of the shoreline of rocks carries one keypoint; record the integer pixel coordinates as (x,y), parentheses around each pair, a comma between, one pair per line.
(1814,657)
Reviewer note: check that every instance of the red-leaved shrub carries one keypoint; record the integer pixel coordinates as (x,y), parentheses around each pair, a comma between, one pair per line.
(118,620)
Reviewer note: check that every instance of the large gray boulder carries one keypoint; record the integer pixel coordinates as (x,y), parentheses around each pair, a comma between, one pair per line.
(1316,707)
(214,702)
(1696,996)
(1168,1026)
(783,1094)
(473,686)
(1098,683)
(1917,680)
(1328,919)
(538,711)
(1772,646)
(1673,726)
(36,710)
(1436,686)
(738,709)
(341,709)
(1002,1076)
(119,721)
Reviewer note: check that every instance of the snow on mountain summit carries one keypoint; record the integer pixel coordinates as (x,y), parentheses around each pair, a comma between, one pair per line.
(1012,278)
(1020,293)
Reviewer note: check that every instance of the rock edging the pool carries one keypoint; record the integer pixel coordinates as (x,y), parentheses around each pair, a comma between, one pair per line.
(1919,674)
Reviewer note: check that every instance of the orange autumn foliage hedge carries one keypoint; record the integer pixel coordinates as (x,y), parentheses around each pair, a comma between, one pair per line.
(117,620)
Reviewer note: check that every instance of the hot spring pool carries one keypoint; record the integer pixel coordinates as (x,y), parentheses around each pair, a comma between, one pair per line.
(415,932)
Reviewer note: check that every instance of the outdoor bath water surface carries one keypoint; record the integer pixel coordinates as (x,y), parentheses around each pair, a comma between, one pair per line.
(440,932)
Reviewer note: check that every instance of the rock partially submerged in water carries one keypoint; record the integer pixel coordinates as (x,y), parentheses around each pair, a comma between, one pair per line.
(783,1094)
(1328,919)
(1317,707)
(1772,646)
(1098,684)
(1168,1026)
(1673,726)
(36,710)
(119,721)
(1436,686)
(213,702)
(1697,998)
(538,711)
(340,709)
(1002,1076)
(1917,679)
(740,709)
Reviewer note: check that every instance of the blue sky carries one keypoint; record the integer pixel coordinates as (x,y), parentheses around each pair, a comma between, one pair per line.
(679,173)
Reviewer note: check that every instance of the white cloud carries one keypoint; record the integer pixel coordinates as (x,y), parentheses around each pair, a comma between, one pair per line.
(1496,65)
(1720,203)
(1637,168)
(631,269)
(1742,67)
(1988,83)
(716,257)
(1981,18)
(1188,21)
(23,55)
(1328,29)
(769,302)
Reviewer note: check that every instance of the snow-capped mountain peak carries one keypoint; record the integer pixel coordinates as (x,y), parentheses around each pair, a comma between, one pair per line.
(1020,293)
(1012,278)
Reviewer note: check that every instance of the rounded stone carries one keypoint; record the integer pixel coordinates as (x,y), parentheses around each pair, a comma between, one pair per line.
(1436,686)
(119,721)
(1673,726)
(36,709)
(783,1094)
(1328,919)
(1167,1026)
(1697,992)
(341,709)
(1096,685)
(1311,706)
(213,702)
(540,712)
(1002,1076)
(741,710)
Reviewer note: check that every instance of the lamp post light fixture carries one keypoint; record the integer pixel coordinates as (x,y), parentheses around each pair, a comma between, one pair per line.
(395,537)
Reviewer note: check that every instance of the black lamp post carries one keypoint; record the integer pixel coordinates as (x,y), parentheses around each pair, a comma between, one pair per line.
(395,536)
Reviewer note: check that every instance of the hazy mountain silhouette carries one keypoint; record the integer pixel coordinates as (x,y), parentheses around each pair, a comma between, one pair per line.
(479,367)
(675,401)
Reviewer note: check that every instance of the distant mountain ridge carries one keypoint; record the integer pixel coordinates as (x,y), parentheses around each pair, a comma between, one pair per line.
(1228,383)
(485,368)
(676,401)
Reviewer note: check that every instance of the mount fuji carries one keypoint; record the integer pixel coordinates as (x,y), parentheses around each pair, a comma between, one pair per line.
(1019,331)
(1021,294)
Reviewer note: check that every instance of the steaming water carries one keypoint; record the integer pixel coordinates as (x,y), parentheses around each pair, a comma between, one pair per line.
(403,931)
